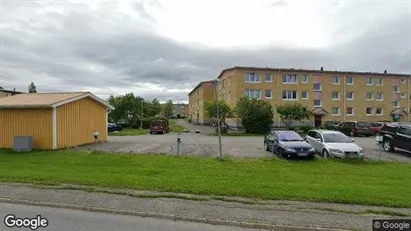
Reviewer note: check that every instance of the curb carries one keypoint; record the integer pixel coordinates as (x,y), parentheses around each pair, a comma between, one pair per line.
(253,225)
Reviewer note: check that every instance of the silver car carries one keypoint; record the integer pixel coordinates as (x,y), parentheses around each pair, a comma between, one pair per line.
(334,144)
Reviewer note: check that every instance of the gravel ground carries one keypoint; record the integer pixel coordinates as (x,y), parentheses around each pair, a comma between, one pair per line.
(205,145)
(202,144)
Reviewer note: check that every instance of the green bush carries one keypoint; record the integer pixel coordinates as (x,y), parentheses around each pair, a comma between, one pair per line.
(306,128)
(256,115)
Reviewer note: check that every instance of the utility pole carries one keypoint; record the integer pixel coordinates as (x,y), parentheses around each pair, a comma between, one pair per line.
(218,121)
(142,117)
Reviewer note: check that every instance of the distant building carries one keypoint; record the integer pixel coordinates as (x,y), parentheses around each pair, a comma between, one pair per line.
(203,92)
(180,110)
(5,93)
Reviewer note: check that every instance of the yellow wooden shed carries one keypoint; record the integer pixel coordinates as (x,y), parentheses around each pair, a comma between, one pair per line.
(53,120)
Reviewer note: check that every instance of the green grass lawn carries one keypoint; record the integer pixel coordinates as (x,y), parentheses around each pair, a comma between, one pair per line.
(130,132)
(174,126)
(355,182)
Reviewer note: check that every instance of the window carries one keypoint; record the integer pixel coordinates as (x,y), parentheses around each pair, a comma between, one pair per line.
(350,80)
(252,78)
(335,111)
(268,77)
(403,81)
(379,111)
(268,93)
(350,95)
(318,103)
(405,131)
(369,81)
(252,93)
(304,79)
(395,104)
(289,78)
(290,95)
(403,96)
(304,95)
(350,111)
(395,89)
(335,80)
(379,82)
(335,95)
(317,87)
(379,96)
(368,111)
(369,95)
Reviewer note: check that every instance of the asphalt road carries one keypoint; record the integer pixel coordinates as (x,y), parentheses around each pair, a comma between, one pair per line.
(74,220)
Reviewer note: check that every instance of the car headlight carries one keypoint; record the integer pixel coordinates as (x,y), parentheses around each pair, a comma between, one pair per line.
(311,149)
(361,151)
(336,150)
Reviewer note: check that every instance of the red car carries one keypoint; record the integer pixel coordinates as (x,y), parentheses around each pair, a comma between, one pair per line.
(159,126)
(376,127)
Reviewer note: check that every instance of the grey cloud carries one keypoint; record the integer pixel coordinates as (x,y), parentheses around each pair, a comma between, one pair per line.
(104,50)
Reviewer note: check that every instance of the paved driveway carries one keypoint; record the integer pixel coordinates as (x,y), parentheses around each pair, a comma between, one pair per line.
(205,145)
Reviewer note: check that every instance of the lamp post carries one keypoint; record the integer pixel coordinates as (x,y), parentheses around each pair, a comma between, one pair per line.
(218,119)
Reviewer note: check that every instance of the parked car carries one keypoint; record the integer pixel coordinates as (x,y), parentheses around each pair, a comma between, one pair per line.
(356,128)
(112,127)
(330,143)
(376,127)
(334,124)
(159,126)
(395,136)
(287,144)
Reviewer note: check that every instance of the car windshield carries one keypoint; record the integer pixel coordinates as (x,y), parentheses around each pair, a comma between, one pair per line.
(363,124)
(156,122)
(289,136)
(336,138)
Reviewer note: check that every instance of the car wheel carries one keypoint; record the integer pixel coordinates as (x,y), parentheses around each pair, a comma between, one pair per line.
(151,133)
(387,146)
(280,152)
(265,146)
(326,154)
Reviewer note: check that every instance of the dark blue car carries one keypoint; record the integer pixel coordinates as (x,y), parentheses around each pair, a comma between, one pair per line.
(288,144)
(112,127)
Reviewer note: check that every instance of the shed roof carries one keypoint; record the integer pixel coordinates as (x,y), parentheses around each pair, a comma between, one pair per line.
(47,100)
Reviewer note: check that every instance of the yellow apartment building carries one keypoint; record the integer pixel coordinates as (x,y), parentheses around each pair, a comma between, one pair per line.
(203,92)
(330,95)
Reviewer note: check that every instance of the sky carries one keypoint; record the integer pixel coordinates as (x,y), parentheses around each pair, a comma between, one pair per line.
(162,49)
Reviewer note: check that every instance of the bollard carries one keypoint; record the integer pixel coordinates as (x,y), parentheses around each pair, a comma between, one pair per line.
(178,145)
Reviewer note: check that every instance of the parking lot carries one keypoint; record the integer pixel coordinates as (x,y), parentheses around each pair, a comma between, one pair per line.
(205,145)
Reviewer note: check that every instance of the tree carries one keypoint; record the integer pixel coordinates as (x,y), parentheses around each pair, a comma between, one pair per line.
(153,108)
(32,88)
(167,108)
(290,113)
(224,110)
(256,115)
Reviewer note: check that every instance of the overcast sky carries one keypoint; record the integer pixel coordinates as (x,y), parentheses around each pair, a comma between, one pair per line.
(162,49)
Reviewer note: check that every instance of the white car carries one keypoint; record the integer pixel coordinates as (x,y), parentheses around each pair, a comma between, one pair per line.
(330,143)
